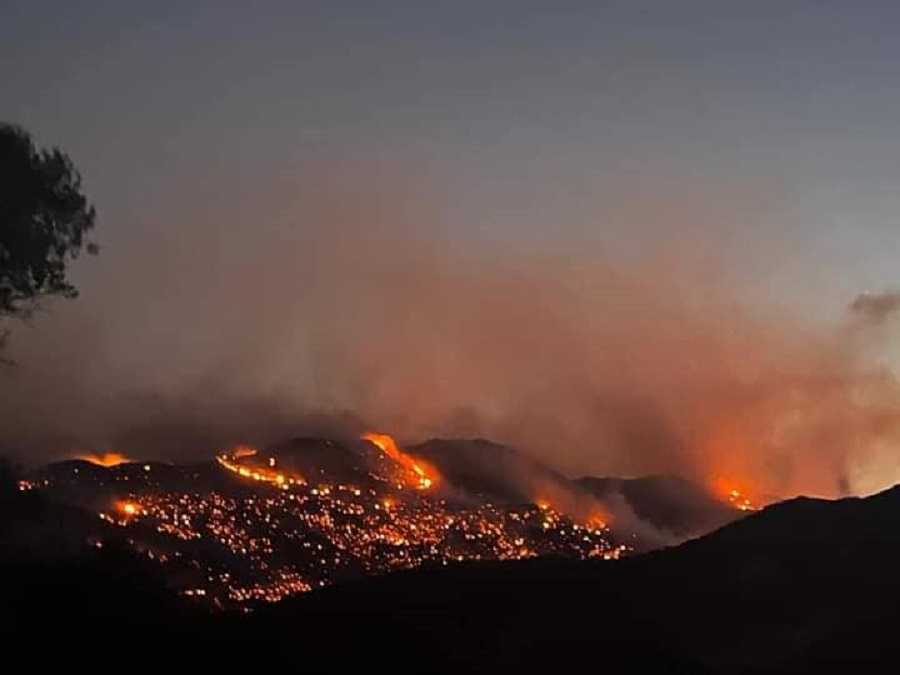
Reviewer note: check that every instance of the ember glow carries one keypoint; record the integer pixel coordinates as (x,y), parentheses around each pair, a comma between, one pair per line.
(268,535)
(599,521)
(107,459)
(128,508)
(244,451)
(266,474)
(416,472)
(124,512)
(735,495)
(337,533)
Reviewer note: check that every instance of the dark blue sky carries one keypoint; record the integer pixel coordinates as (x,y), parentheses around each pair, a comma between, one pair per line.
(520,117)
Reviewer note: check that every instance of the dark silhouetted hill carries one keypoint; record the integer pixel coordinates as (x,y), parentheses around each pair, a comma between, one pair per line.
(669,503)
(804,586)
(796,587)
(490,470)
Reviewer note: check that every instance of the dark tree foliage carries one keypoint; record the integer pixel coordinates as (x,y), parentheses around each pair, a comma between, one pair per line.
(44,219)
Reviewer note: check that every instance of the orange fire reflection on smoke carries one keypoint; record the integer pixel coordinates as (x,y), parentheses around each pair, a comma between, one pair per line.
(591,517)
(243,451)
(107,459)
(735,494)
(417,473)
(598,521)
(128,508)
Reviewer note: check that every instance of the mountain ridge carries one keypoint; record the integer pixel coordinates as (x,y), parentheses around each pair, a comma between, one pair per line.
(747,598)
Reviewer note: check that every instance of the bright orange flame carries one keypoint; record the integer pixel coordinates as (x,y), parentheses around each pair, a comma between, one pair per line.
(128,508)
(735,495)
(417,473)
(598,521)
(259,473)
(384,442)
(107,459)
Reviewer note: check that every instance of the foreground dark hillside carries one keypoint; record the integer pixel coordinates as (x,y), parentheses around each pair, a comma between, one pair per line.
(804,586)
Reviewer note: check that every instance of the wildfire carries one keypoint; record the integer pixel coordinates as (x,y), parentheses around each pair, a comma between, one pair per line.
(266,474)
(735,495)
(107,459)
(595,520)
(243,451)
(283,542)
(417,473)
(598,521)
(128,508)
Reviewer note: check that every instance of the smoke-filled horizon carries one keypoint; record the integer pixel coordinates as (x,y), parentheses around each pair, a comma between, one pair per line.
(623,238)
(336,311)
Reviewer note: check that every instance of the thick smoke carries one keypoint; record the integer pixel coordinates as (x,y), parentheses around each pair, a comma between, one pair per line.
(340,312)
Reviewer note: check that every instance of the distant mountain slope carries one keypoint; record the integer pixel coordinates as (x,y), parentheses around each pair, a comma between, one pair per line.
(668,503)
(322,459)
(90,485)
(658,508)
(490,470)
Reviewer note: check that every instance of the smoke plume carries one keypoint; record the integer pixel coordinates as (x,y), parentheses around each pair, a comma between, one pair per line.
(338,311)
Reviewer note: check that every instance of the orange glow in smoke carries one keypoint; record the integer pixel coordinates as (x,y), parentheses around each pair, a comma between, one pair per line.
(107,459)
(598,521)
(736,495)
(243,451)
(417,473)
(127,508)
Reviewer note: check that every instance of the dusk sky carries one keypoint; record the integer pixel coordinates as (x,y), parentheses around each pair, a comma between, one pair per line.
(521,119)
(759,138)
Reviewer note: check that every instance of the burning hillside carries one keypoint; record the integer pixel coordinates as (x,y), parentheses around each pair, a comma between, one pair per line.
(258,526)
(736,495)
(414,472)
(105,459)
